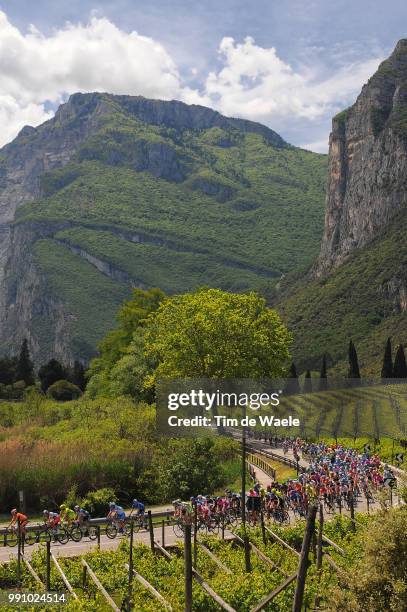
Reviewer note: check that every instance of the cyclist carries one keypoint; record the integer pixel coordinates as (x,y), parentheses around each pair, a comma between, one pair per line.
(139,509)
(81,516)
(54,520)
(67,515)
(18,517)
(117,512)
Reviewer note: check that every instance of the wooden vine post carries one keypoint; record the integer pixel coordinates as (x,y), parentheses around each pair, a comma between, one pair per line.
(303,565)
(188,568)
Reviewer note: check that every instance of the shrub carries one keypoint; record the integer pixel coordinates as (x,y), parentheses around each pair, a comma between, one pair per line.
(97,502)
(64,391)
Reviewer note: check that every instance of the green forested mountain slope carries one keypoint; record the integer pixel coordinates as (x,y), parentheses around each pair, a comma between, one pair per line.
(363,299)
(162,194)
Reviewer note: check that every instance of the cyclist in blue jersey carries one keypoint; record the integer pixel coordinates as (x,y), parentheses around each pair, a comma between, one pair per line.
(139,510)
(117,512)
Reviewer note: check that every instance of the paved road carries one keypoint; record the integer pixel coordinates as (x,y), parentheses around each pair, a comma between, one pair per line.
(76,548)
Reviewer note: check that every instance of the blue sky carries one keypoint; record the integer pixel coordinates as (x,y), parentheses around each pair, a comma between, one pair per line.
(286,63)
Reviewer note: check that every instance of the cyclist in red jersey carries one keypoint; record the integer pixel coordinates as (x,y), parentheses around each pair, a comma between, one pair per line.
(19,518)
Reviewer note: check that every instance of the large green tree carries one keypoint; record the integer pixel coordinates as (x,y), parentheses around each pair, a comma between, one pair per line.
(121,367)
(215,334)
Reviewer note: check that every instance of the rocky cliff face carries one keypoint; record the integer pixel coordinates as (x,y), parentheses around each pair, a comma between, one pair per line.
(367,180)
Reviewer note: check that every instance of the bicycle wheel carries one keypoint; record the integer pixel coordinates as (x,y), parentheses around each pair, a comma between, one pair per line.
(231,520)
(92,532)
(213,526)
(111,531)
(76,534)
(286,517)
(62,535)
(11,538)
(44,536)
(178,529)
(30,538)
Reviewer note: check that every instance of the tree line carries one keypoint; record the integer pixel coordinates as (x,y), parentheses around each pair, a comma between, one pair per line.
(391,369)
(18,373)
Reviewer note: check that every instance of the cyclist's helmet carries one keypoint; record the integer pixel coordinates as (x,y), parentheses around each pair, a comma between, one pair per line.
(76,507)
(14,511)
(112,505)
(62,507)
(46,512)
(134,501)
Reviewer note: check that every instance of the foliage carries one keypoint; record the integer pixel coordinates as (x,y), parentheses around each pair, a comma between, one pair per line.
(242,590)
(25,367)
(63,451)
(214,334)
(377,582)
(8,370)
(323,314)
(97,502)
(63,391)
(387,367)
(354,371)
(77,377)
(186,466)
(50,373)
(121,367)
(400,366)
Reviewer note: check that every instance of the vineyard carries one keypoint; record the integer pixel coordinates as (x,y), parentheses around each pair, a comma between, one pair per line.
(221,564)
(370,413)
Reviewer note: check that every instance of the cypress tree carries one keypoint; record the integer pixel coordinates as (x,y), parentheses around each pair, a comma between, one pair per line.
(50,373)
(78,375)
(307,382)
(293,386)
(354,371)
(400,367)
(387,368)
(323,376)
(25,367)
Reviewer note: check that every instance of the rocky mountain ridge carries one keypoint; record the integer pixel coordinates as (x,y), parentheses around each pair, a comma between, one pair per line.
(121,191)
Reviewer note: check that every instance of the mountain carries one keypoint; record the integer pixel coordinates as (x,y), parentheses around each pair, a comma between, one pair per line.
(357,288)
(118,191)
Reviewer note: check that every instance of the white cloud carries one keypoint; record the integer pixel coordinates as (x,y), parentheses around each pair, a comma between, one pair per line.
(95,57)
(14,115)
(252,82)
(255,83)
